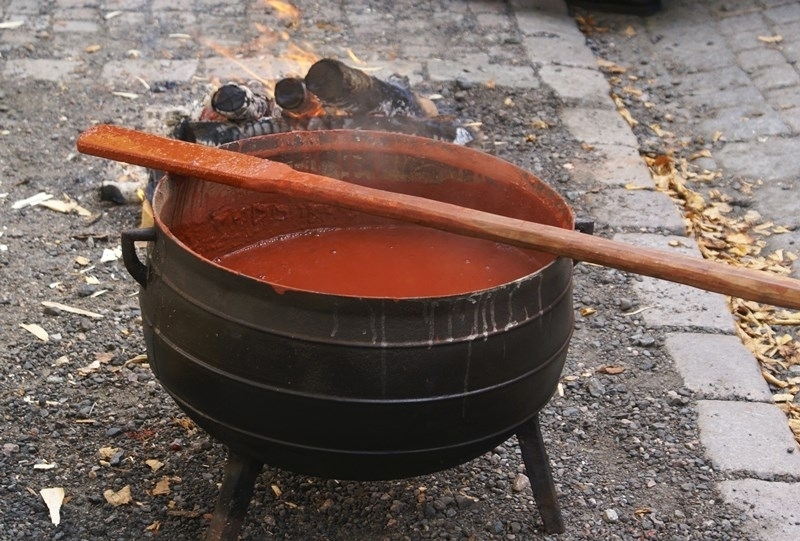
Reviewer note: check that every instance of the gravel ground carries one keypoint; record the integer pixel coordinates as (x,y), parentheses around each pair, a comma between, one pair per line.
(80,412)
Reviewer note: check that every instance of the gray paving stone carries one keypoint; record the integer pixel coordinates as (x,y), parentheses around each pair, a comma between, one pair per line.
(749,438)
(86,27)
(778,76)
(745,123)
(725,98)
(634,209)
(476,68)
(40,68)
(586,86)
(598,126)
(734,26)
(792,117)
(122,71)
(615,165)
(783,14)
(771,507)
(717,367)
(709,83)
(696,47)
(783,98)
(554,49)
(676,305)
(753,59)
(772,159)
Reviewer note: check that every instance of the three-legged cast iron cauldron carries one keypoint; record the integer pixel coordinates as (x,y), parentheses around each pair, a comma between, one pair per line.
(350,387)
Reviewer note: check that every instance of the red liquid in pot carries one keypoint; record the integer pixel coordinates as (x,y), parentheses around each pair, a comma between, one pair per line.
(388,262)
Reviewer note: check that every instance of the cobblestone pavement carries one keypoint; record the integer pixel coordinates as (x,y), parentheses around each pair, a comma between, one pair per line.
(727,78)
(733,71)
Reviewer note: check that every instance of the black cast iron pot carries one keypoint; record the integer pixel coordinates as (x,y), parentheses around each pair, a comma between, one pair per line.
(349,387)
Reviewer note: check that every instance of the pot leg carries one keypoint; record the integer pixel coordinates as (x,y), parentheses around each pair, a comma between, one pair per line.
(538,468)
(234,497)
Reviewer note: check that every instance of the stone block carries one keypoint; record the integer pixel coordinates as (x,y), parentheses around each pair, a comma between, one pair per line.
(121,71)
(749,438)
(754,59)
(40,69)
(770,507)
(717,367)
(614,165)
(477,69)
(549,48)
(786,13)
(733,27)
(675,305)
(744,123)
(598,126)
(772,159)
(777,76)
(586,86)
(634,209)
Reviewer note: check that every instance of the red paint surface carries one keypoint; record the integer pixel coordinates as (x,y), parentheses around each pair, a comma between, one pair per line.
(388,262)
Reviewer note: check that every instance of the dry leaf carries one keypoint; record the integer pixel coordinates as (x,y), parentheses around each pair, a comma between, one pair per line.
(162,487)
(11,25)
(154,464)
(66,207)
(31,201)
(610,67)
(633,91)
(585,312)
(276,490)
(53,497)
(93,48)
(36,330)
(72,310)
(121,497)
(111,254)
(90,368)
(705,153)
(630,31)
(611,369)
(105,453)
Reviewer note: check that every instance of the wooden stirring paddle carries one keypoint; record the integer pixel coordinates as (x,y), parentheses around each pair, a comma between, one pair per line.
(253,173)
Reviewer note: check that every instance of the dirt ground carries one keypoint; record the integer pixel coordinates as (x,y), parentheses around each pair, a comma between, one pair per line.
(81,409)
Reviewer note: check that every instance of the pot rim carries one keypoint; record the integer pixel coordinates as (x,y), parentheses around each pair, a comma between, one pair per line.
(332,140)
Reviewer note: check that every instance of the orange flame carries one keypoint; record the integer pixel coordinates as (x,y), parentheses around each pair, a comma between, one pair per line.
(284,9)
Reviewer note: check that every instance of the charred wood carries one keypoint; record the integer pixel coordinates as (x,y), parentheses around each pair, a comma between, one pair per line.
(219,133)
(352,90)
(294,99)
(239,103)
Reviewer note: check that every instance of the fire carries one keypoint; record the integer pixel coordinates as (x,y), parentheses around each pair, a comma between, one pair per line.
(284,9)
(290,58)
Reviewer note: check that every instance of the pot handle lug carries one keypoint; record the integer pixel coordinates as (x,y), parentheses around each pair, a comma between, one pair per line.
(136,268)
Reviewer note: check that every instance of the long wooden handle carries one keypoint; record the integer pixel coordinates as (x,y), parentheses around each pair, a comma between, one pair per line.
(253,173)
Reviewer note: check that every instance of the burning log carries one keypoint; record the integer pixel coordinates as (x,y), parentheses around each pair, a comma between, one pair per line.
(239,103)
(337,84)
(219,133)
(295,100)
